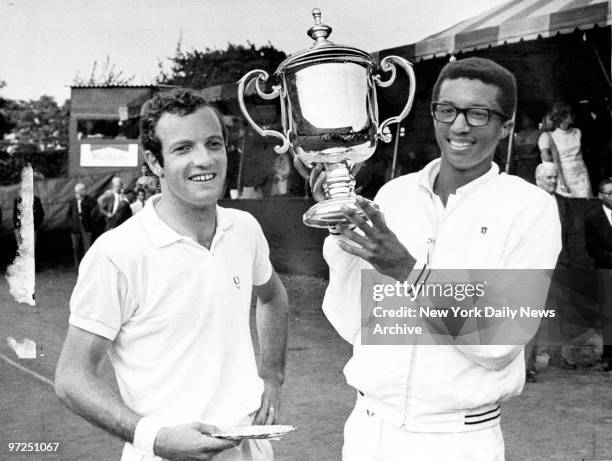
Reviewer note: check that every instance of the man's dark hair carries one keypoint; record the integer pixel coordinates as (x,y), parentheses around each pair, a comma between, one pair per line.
(486,71)
(182,101)
(604,183)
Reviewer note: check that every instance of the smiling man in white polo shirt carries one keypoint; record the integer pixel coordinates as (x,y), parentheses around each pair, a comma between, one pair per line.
(167,295)
(441,402)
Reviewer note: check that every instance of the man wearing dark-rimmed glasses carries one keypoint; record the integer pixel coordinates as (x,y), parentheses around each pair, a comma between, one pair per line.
(441,402)
(475,116)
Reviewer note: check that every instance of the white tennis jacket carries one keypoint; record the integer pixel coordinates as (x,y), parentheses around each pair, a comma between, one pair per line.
(495,222)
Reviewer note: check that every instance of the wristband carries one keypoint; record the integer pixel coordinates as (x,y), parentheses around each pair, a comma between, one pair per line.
(145,434)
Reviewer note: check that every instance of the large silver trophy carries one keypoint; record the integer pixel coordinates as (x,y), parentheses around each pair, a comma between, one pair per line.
(329,113)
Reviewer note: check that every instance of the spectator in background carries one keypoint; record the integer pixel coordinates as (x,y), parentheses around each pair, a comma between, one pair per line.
(546,128)
(526,154)
(598,235)
(561,328)
(124,211)
(129,195)
(547,176)
(281,170)
(80,222)
(146,180)
(563,147)
(138,204)
(98,223)
(109,201)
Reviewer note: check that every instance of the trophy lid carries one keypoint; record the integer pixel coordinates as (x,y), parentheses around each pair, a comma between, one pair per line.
(324,50)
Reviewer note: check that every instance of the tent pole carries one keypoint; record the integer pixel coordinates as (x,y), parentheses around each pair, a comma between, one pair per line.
(510,145)
(239,179)
(395,146)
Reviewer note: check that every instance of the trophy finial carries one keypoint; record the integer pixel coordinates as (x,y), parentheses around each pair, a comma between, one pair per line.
(319,32)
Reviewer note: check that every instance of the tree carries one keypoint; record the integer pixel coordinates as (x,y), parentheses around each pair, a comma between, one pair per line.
(41,123)
(5,123)
(107,76)
(202,69)
(37,134)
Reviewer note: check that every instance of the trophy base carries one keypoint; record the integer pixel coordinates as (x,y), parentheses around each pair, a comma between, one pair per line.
(329,212)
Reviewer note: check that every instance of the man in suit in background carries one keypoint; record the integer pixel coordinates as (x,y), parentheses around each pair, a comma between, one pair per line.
(79,220)
(598,234)
(109,201)
(547,176)
(123,211)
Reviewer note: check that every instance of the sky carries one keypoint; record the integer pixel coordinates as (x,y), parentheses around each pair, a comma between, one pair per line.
(44,44)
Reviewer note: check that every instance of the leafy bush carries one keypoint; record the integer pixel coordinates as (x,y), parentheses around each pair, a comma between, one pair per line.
(51,164)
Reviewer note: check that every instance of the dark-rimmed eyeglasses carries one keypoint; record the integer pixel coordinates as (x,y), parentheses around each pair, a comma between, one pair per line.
(474,116)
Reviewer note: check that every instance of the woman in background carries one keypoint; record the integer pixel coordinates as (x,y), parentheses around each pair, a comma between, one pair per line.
(563,147)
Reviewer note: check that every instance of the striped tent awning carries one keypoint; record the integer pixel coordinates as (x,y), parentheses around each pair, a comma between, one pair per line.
(510,22)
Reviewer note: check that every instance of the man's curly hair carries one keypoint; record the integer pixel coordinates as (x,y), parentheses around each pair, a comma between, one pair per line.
(181,101)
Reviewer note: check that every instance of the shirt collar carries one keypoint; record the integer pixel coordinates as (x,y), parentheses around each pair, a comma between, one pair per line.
(162,235)
(432,169)
(607,212)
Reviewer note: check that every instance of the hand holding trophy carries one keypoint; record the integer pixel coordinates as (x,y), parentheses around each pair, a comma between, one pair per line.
(329,114)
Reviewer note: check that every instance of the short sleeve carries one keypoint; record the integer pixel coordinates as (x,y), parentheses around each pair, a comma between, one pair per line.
(262,267)
(544,141)
(100,301)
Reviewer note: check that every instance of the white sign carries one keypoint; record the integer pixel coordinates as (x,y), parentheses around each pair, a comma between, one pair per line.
(118,155)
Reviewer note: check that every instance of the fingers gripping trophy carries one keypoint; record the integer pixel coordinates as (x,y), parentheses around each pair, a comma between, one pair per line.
(329,113)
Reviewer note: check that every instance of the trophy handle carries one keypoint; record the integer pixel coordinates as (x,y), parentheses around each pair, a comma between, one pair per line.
(388,64)
(261,76)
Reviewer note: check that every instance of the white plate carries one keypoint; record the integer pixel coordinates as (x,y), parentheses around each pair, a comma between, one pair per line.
(269,431)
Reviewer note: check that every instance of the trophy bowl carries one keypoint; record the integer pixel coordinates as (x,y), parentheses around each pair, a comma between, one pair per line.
(329,114)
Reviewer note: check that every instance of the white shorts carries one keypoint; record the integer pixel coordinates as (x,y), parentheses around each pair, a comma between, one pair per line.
(248,450)
(367,437)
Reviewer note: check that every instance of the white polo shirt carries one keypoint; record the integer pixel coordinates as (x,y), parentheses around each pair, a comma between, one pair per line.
(494,222)
(177,315)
